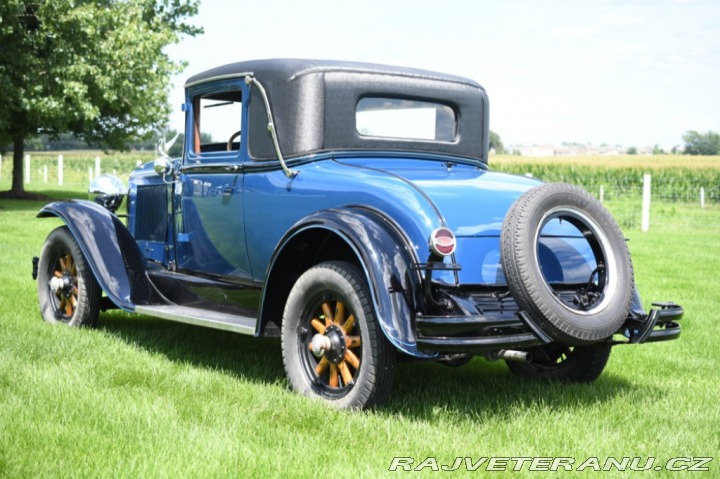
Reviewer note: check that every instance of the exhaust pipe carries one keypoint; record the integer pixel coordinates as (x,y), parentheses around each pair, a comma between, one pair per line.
(511,355)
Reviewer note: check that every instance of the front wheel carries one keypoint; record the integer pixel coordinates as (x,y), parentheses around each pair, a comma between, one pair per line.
(67,290)
(333,348)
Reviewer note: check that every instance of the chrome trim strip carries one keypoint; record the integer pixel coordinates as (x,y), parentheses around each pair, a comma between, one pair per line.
(251,80)
(199,317)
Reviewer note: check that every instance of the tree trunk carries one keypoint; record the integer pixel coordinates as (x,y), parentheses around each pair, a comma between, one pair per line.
(17,177)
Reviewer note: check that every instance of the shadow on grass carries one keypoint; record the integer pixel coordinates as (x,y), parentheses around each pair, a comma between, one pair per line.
(421,389)
(241,356)
(488,389)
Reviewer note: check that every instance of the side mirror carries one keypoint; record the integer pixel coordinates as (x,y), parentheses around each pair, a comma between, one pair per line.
(107,191)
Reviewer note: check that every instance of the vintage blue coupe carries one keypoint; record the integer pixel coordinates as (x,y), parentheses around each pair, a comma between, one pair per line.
(349,209)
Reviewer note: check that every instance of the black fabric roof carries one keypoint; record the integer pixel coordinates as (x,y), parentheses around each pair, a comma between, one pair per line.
(314,101)
(290,68)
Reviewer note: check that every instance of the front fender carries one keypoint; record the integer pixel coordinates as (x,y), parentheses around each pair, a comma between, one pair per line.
(386,259)
(113,256)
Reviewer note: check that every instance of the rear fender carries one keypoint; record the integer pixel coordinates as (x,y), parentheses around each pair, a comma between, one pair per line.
(385,258)
(111,251)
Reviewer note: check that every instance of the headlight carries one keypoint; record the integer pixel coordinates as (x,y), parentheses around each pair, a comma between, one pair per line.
(108,191)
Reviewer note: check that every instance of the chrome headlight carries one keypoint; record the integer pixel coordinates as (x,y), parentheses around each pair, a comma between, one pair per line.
(108,191)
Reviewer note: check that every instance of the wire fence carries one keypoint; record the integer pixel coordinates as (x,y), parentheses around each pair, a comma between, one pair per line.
(685,196)
(667,209)
(69,170)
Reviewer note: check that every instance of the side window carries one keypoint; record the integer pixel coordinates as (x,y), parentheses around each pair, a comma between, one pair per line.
(217,120)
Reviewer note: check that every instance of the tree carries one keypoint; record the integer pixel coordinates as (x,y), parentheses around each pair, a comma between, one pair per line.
(657,150)
(93,68)
(701,143)
(496,143)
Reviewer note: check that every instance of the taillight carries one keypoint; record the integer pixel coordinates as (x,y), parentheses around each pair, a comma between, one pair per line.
(442,242)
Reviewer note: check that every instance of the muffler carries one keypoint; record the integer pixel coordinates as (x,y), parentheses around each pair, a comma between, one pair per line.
(510,355)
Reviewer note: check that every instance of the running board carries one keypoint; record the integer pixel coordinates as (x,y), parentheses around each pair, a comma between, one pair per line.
(201,317)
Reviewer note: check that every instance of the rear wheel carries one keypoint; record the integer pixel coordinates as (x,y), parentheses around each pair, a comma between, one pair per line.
(332,344)
(570,363)
(67,290)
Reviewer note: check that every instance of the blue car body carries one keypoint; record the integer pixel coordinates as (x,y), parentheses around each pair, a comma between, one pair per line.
(227,228)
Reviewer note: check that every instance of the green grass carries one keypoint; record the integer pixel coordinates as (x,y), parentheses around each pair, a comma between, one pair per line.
(139,397)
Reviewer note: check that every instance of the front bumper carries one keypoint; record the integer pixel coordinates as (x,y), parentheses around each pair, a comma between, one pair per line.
(509,328)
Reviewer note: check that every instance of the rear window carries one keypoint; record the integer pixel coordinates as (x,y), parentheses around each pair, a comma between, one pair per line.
(408,119)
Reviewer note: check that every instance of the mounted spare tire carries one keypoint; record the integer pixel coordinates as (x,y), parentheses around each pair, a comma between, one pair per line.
(571,314)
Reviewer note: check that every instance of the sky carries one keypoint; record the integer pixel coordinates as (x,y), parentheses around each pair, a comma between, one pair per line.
(632,73)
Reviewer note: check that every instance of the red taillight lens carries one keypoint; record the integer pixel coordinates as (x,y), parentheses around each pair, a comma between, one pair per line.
(442,242)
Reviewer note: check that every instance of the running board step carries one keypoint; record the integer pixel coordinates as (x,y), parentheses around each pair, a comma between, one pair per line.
(201,317)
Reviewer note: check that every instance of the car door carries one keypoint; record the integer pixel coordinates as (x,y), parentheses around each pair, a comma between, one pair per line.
(209,228)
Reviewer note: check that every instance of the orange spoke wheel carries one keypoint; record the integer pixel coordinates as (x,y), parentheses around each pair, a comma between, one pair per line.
(64,287)
(334,345)
(67,290)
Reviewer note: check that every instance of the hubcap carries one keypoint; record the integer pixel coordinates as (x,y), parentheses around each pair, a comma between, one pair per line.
(332,344)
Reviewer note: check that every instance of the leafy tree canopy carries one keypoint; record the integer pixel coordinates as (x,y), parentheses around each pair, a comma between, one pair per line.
(93,68)
(701,143)
(496,143)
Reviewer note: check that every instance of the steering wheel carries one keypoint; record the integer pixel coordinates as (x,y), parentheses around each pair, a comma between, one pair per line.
(232,138)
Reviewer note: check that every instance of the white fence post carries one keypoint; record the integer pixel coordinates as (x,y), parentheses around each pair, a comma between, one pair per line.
(60,170)
(138,163)
(27,168)
(97,166)
(602,194)
(645,221)
(44,173)
(702,197)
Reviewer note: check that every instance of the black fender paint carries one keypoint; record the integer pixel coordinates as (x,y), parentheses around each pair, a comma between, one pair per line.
(386,258)
(112,253)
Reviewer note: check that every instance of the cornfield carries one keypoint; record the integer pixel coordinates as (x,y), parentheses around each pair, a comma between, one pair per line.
(685,190)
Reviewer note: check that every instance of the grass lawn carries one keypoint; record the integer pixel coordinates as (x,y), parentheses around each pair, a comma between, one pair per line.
(139,397)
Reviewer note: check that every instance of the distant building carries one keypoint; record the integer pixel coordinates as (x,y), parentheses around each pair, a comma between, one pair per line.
(574,149)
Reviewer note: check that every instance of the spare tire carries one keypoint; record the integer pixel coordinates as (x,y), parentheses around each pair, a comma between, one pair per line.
(572,314)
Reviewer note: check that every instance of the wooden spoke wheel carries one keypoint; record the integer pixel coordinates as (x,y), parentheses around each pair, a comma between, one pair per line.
(333,347)
(64,287)
(67,290)
(334,350)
